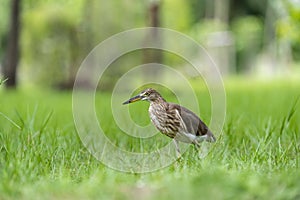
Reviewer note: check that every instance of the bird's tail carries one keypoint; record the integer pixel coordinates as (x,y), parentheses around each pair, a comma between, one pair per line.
(210,137)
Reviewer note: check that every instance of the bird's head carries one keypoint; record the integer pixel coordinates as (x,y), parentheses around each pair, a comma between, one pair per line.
(147,94)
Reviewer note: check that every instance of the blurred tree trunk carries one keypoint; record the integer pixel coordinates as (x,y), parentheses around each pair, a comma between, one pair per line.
(154,38)
(11,59)
(220,43)
(221,10)
(75,53)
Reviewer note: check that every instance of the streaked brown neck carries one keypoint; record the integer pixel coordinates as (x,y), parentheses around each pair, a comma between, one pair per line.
(158,100)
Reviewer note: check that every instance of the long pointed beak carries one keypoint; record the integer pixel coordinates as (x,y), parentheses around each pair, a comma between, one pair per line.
(133,99)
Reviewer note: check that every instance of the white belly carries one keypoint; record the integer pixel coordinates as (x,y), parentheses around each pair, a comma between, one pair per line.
(185,137)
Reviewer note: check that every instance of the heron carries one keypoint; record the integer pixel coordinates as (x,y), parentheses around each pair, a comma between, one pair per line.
(173,120)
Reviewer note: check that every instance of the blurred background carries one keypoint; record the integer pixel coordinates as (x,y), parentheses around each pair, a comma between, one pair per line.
(43,42)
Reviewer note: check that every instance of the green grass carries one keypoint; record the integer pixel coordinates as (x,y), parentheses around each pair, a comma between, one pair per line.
(256,157)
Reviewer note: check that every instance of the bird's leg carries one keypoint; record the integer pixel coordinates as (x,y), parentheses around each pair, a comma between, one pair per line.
(198,141)
(177,148)
(197,145)
(202,152)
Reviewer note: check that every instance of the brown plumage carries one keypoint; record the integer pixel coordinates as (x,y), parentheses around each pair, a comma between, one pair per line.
(174,120)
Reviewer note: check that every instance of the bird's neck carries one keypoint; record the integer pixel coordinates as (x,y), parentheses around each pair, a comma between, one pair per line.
(159,100)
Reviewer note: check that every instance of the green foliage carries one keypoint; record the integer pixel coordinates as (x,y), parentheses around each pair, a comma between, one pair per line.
(288,28)
(249,7)
(197,10)
(256,156)
(203,28)
(58,35)
(248,32)
(102,20)
(49,40)
(182,21)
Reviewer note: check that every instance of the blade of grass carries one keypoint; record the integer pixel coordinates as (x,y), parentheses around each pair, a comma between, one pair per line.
(46,121)
(20,119)
(288,117)
(269,130)
(3,81)
(11,121)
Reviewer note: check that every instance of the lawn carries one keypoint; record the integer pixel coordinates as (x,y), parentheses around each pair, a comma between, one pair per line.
(256,156)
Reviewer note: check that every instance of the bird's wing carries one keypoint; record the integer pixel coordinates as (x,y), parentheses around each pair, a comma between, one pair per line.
(193,123)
